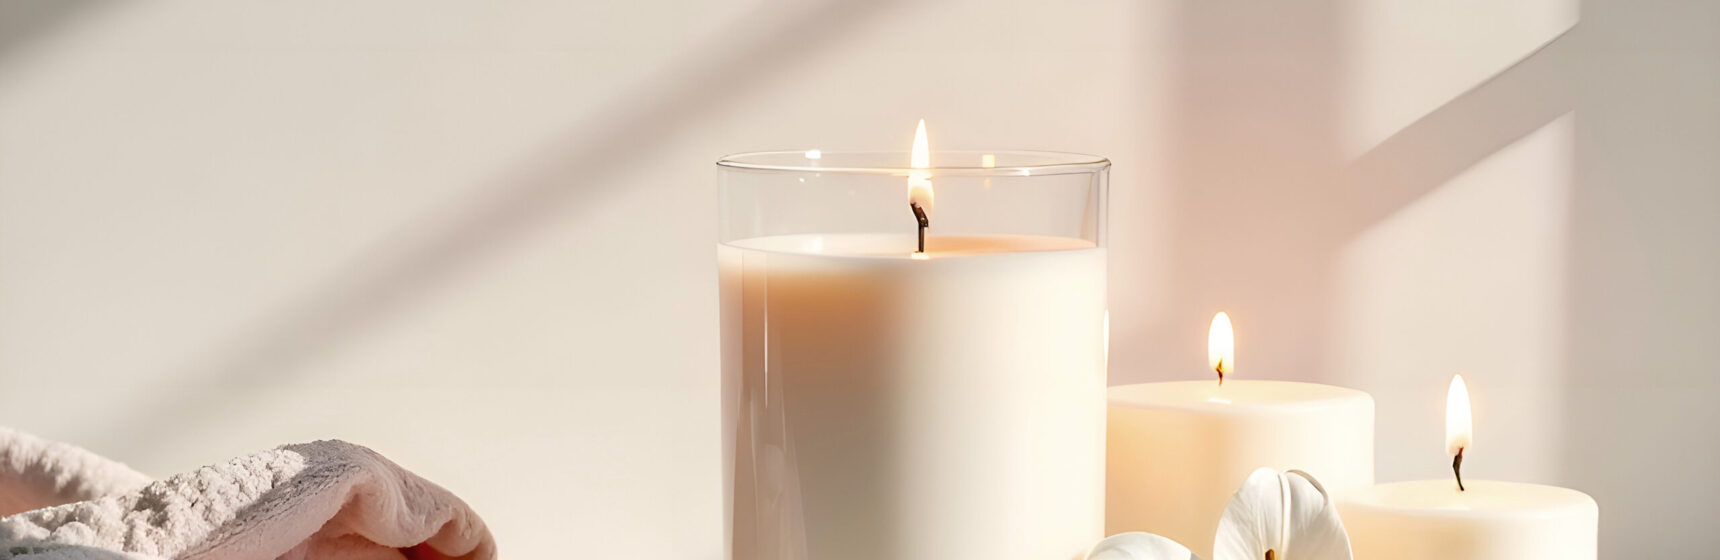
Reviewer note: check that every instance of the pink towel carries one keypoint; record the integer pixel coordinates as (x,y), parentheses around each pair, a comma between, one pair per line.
(325,500)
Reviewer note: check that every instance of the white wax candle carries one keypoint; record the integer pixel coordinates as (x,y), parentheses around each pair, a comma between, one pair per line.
(1432,520)
(880,405)
(1177,451)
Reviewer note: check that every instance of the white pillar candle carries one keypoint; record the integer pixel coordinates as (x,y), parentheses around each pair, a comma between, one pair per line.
(1176,451)
(914,407)
(1469,519)
(1490,520)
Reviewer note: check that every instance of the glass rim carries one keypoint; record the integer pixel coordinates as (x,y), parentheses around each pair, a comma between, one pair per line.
(1052,163)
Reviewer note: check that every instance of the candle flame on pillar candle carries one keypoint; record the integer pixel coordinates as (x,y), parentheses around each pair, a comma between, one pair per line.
(920,182)
(1221,346)
(1459,428)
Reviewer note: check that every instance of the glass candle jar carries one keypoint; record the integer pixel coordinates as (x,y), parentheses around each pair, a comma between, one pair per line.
(884,399)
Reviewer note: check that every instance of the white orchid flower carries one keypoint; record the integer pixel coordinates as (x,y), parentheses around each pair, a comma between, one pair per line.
(1274,516)
(1281,516)
(1139,546)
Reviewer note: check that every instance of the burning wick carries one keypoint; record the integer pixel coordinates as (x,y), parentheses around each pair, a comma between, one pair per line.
(920,215)
(1457,468)
(920,183)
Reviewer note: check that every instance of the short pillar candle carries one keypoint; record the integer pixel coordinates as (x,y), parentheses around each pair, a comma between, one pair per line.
(1176,451)
(1469,519)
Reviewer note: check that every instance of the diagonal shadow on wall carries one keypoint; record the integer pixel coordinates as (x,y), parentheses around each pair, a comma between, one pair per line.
(407,265)
(25,22)
(1464,131)
(1255,147)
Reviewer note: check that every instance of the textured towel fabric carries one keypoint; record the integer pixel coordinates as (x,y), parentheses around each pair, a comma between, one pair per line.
(35,473)
(324,500)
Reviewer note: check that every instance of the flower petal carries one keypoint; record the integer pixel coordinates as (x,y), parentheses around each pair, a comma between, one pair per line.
(1139,546)
(1285,512)
(1253,522)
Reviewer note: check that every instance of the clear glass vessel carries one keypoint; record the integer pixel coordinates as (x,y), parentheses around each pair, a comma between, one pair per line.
(881,401)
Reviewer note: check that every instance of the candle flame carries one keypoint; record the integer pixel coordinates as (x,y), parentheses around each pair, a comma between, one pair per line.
(1459,428)
(1221,346)
(920,182)
(922,156)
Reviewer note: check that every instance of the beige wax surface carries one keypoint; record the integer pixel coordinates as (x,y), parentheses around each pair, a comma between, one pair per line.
(881,405)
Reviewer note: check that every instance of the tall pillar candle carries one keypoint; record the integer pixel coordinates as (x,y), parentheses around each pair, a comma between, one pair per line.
(886,402)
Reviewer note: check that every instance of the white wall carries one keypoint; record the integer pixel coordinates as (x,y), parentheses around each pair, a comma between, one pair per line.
(478,237)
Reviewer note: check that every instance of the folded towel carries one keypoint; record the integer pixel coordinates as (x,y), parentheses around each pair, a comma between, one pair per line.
(323,500)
